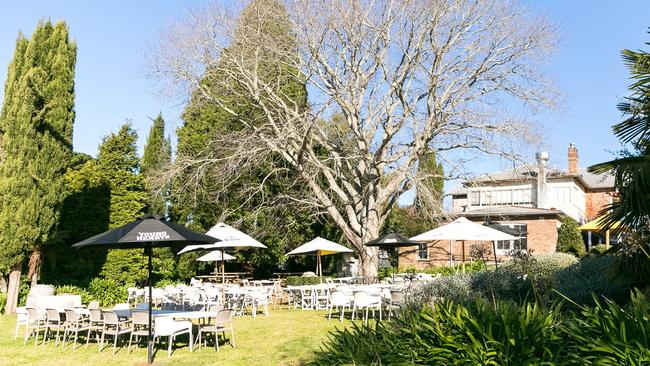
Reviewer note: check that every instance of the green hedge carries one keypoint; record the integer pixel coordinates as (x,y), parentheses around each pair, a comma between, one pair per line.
(300,281)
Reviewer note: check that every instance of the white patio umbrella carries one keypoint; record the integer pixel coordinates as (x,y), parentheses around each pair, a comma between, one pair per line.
(230,238)
(318,247)
(215,256)
(462,229)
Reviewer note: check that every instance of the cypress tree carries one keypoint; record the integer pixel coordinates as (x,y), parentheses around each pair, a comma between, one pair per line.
(157,154)
(36,122)
(119,163)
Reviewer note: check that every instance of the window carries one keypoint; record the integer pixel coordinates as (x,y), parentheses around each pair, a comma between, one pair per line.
(518,230)
(423,252)
(562,195)
(500,197)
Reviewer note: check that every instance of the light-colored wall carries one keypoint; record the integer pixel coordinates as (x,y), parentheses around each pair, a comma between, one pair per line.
(575,207)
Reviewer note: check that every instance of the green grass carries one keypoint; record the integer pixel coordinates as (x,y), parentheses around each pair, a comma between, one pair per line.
(286,337)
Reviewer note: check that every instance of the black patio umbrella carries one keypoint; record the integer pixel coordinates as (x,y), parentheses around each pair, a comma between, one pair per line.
(148,232)
(392,240)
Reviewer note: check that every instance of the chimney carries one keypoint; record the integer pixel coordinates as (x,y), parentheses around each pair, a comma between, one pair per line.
(541,193)
(573,159)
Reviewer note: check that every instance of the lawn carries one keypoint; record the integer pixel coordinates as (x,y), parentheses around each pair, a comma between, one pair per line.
(286,337)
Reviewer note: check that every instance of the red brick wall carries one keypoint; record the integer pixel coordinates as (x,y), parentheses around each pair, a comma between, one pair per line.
(596,201)
(542,239)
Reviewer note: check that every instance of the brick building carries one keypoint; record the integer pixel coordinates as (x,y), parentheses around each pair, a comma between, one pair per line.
(527,202)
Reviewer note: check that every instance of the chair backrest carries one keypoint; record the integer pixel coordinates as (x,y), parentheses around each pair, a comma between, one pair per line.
(142,306)
(71,315)
(397,296)
(110,317)
(33,314)
(339,299)
(223,316)
(53,315)
(164,326)
(93,304)
(141,318)
(123,306)
(95,315)
(215,308)
(361,298)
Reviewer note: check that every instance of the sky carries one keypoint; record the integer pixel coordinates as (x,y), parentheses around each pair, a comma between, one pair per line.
(111,86)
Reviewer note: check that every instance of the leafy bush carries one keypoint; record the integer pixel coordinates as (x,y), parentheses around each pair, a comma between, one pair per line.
(3,302)
(608,334)
(300,281)
(481,333)
(449,333)
(74,290)
(524,278)
(569,238)
(592,275)
(456,288)
(107,292)
(23,291)
(599,249)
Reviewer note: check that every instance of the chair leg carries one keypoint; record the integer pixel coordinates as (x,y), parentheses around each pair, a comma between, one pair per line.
(169,350)
(47,330)
(232,336)
(26,334)
(65,334)
(76,334)
(101,342)
(191,341)
(329,317)
(341,310)
(128,349)
(114,343)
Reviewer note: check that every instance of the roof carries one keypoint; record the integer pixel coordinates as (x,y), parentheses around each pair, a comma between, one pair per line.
(529,172)
(510,211)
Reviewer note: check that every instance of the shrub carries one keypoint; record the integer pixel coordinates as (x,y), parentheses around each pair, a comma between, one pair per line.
(447,270)
(3,302)
(74,290)
(300,281)
(592,275)
(107,292)
(457,288)
(608,334)
(569,238)
(449,333)
(599,249)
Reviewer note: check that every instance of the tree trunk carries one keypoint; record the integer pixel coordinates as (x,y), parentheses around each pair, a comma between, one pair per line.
(369,256)
(13,290)
(34,267)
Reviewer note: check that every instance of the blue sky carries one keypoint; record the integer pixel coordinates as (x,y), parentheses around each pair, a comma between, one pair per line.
(111,87)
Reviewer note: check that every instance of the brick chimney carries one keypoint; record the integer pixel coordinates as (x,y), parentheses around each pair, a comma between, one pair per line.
(573,159)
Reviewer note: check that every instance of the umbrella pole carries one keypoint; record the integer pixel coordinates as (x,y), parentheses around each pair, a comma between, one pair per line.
(148,250)
(223,278)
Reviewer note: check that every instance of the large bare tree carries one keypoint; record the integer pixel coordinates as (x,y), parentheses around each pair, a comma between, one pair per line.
(388,81)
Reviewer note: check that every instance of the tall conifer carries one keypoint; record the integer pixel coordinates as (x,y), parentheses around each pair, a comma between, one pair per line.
(157,154)
(36,121)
